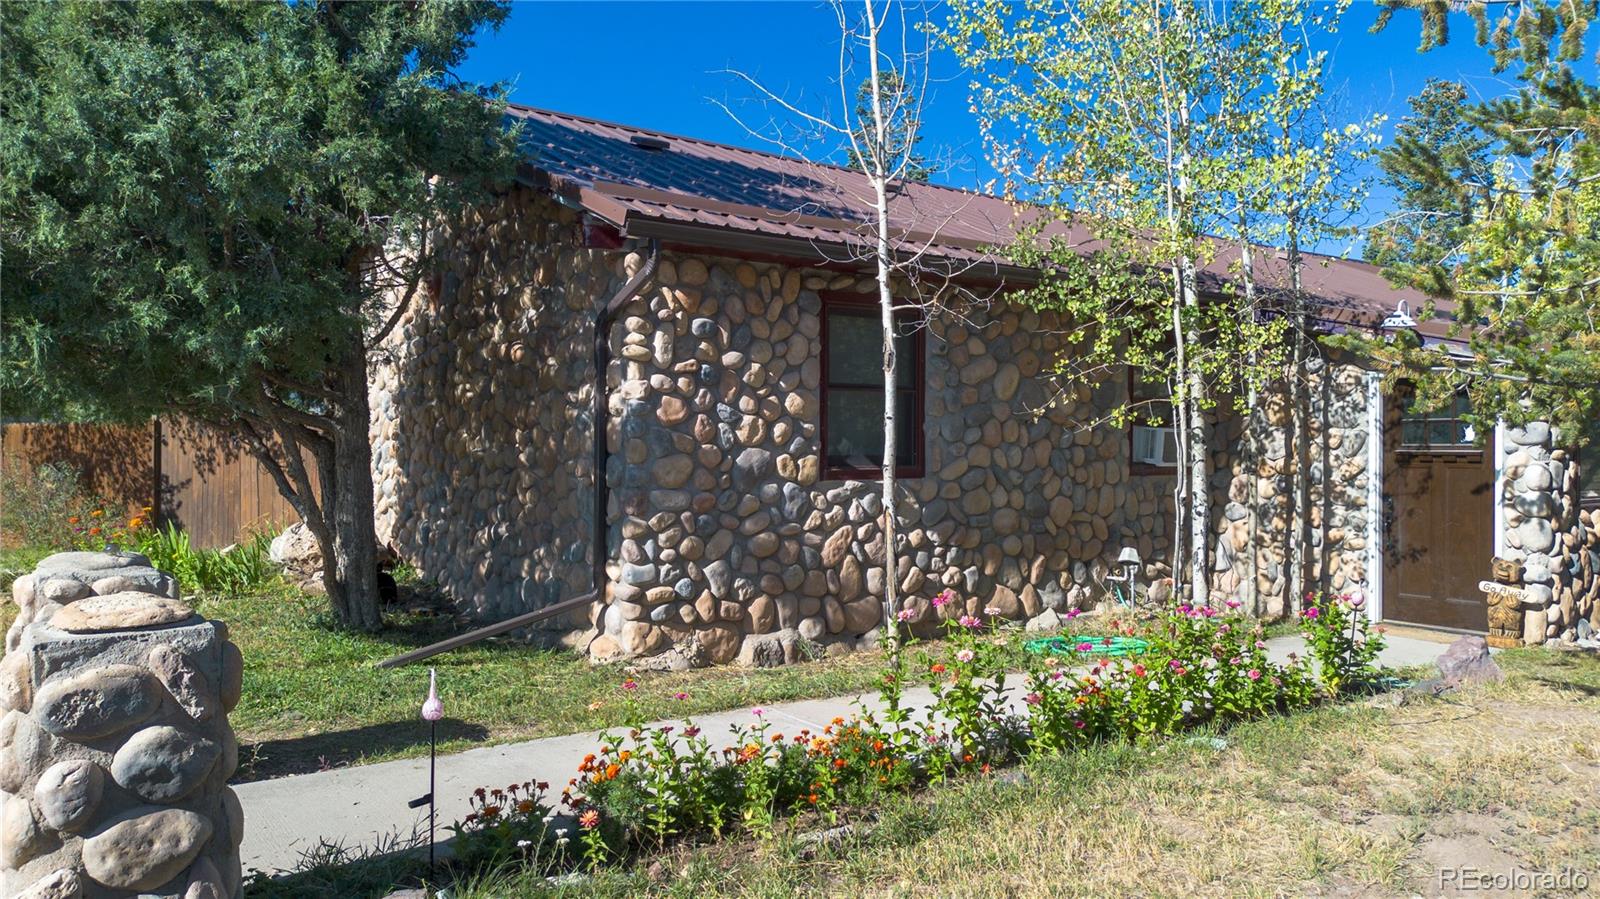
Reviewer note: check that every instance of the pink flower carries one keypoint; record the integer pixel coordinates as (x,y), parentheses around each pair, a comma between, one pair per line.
(1254,674)
(691,731)
(1085,646)
(1079,724)
(944,599)
(965,655)
(1234,604)
(1033,699)
(680,696)
(630,684)
(1073,613)
(905,615)
(1311,612)
(969,621)
(758,711)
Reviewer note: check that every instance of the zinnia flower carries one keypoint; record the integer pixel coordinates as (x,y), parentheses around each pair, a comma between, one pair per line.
(630,684)
(968,621)
(1033,699)
(965,655)
(1254,674)
(991,611)
(1311,612)
(680,696)
(758,711)
(905,615)
(944,599)
(590,819)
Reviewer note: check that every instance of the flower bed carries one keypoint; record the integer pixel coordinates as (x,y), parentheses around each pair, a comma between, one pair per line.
(653,785)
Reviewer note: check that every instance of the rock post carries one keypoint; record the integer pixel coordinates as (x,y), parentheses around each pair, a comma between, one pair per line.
(115,749)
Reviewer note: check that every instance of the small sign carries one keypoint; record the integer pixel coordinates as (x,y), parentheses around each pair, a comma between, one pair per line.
(1502,589)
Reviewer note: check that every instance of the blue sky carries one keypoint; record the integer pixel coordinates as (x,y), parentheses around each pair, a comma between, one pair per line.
(661,65)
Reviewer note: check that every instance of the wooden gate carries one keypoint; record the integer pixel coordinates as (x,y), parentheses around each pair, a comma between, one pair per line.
(1438,495)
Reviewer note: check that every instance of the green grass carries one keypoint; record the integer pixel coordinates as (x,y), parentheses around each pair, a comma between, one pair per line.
(312,698)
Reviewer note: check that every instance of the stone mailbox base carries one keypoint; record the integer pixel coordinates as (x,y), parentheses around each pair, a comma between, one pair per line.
(115,753)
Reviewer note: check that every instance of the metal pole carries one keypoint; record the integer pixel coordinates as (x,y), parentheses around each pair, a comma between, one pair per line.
(433,744)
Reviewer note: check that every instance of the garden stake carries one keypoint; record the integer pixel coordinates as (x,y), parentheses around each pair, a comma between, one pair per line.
(432,711)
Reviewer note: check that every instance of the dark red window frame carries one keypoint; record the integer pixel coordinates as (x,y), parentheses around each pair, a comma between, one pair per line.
(867,304)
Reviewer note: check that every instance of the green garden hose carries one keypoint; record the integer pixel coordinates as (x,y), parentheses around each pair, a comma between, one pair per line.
(1067,644)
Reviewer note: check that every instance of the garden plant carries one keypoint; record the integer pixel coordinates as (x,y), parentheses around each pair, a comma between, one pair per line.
(652,785)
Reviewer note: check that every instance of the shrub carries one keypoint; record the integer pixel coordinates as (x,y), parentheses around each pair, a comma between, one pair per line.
(50,508)
(242,568)
(1337,630)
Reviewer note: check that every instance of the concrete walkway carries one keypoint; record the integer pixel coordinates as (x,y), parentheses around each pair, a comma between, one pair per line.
(358,806)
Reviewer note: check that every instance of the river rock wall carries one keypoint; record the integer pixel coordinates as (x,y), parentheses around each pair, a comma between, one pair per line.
(1556,542)
(115,749)
(1258,518)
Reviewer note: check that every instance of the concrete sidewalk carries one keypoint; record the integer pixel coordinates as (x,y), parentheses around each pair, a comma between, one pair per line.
(359,805)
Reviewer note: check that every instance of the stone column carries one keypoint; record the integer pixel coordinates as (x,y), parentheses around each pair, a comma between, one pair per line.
(1544,534)
(115,753)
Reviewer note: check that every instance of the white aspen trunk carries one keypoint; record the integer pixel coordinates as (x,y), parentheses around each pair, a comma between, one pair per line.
(1300,428)
(1197,452)
(1247,437)
(877,161)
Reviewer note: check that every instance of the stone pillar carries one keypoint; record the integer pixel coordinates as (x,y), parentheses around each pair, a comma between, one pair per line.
(1545,534)
(115,752)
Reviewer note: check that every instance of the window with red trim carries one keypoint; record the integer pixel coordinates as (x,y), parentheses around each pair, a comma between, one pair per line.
(852,389)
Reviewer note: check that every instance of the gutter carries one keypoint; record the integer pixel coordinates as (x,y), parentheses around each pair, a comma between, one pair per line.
(603,321)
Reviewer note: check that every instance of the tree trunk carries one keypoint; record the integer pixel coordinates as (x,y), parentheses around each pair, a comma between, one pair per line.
(350,565)
(1300,430)
(1199,457)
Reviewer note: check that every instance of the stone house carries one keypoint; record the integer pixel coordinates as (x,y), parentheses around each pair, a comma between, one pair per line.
(738,513)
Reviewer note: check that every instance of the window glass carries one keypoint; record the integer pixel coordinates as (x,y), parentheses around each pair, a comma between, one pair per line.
(853,392)
(1440,429)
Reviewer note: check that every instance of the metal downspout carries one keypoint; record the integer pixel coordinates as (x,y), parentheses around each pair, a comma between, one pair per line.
(603,321)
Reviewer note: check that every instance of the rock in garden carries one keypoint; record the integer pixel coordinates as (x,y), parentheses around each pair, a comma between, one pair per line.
(95,703)
(184,681)
(102,572)
(69,792)
(1468,661)
(62,883)
(163,764)
(144,847)
(121,611)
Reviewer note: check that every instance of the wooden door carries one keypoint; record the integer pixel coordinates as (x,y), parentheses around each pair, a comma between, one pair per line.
(1438,495)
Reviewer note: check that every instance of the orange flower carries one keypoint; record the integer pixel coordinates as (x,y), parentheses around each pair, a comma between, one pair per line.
(94,531)
(98,513)
(73,519)
(612,771)
(525,806)
(590,819)
(624,755)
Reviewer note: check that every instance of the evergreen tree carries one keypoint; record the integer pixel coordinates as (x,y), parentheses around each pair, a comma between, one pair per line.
(219,210)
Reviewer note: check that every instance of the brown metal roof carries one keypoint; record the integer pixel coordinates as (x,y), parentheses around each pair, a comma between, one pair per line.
(725,197)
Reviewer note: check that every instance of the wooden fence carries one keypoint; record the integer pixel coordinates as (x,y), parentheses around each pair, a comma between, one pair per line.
(203,481)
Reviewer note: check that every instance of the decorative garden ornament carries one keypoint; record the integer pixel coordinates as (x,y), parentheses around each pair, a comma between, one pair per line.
(432,711)
(432,708)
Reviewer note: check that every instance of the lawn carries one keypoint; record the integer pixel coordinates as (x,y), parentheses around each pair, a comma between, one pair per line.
(1369,798)
(313,698)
